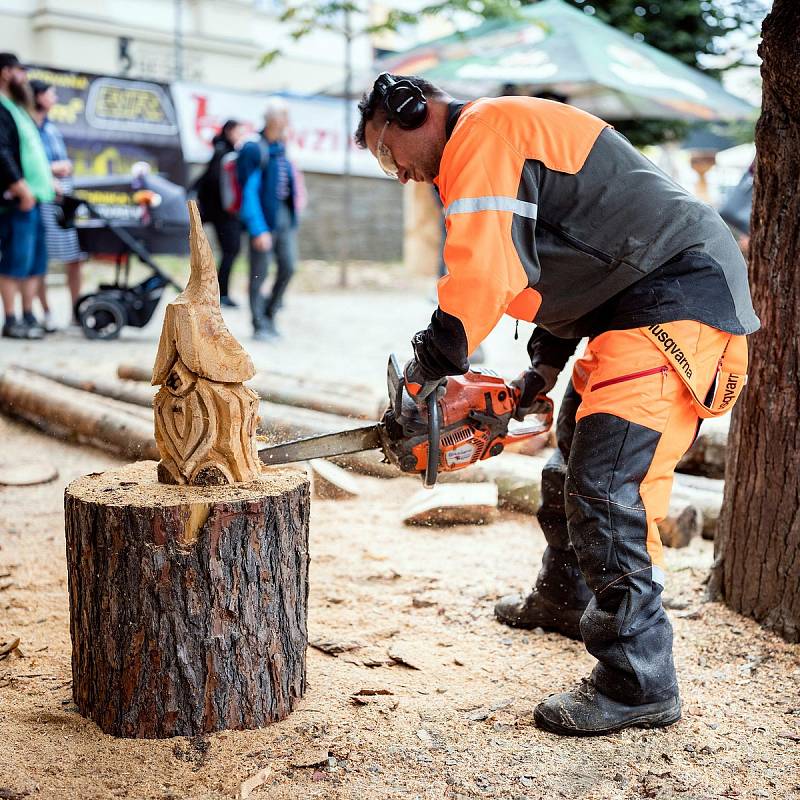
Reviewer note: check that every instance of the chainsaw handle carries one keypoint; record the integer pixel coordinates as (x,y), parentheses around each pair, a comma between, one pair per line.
(543,424)
(434,441)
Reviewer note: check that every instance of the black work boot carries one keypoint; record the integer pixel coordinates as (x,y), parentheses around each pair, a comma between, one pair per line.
(587,712)
(556,603)
(560,595)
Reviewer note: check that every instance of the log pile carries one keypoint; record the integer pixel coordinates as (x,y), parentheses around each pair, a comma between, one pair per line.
(114,417)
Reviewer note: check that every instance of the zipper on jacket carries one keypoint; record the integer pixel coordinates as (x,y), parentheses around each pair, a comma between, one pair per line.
(576,244)
(632,376)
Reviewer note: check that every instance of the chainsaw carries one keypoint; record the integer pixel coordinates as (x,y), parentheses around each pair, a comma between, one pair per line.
(466,421)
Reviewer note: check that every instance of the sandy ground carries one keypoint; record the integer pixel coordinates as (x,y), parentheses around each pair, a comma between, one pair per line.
(458,726)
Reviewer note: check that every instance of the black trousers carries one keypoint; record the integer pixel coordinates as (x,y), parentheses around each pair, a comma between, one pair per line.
(229,234)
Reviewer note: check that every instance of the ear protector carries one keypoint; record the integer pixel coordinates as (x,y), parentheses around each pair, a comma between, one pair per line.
(403,102)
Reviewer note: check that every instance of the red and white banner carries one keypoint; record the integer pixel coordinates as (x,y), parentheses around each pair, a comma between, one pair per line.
(317,126)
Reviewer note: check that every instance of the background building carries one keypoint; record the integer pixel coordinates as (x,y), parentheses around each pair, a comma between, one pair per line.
(209,51)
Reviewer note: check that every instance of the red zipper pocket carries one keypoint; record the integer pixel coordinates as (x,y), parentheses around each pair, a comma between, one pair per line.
(632,377)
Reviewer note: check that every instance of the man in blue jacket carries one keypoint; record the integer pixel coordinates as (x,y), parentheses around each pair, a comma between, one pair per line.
(269,213)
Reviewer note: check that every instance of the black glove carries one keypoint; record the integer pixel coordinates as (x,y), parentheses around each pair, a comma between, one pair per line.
(530,384)
(417,385)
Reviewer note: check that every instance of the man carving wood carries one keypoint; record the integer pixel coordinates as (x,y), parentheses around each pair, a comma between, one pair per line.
(205,419)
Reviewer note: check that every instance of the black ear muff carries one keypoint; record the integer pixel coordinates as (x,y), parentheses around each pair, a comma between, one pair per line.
(403,102)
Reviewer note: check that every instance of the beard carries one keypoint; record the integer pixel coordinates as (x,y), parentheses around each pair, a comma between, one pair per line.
(21,93)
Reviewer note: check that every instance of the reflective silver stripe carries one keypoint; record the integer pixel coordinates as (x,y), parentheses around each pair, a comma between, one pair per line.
(659,576)
(469,205)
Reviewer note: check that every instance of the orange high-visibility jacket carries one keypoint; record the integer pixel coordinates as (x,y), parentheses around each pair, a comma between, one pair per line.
(554,217)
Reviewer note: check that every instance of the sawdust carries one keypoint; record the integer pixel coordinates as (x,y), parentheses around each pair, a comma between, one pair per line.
(459,726)
(137,485)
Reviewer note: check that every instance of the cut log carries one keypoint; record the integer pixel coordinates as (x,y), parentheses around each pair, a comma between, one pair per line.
(27,473)
(279,390)
(187,604)
(278,423)
(518,479)
(706,457)
(358,402)
(331,482)
(132,372)
(130,392)
(705,494)
(680,529)
(75,415)
(452,504)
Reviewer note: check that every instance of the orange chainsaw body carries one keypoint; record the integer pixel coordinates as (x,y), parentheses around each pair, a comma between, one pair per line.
(473,418)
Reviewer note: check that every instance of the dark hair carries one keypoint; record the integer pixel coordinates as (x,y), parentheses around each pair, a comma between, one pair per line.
(39,87)
(229,126)
(372,103)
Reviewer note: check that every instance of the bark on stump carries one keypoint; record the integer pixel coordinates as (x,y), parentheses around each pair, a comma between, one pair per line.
(187,604)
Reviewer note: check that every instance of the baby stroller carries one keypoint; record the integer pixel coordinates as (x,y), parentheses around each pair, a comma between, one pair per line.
(157,221)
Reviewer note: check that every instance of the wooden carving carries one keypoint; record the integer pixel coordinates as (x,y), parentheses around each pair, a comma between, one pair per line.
(205,419)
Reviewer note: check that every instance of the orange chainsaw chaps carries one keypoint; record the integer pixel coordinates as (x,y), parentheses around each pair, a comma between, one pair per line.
(624,374)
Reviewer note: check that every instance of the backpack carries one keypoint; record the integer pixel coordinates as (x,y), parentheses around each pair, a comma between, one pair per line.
(230,187)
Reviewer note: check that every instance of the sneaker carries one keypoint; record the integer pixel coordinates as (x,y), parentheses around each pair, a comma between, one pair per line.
(48,325)
(14,329)
(34,330)
(585,711)
(263,335)
(269,325)
(227,302)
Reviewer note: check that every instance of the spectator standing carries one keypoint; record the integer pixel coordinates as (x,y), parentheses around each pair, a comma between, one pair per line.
(272,198)
(62,243)
(209,198)
(25,182)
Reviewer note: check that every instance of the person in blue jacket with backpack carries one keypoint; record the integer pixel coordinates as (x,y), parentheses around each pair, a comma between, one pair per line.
(271,199)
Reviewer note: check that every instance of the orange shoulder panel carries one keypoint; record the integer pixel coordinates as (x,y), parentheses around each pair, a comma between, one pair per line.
(558,135)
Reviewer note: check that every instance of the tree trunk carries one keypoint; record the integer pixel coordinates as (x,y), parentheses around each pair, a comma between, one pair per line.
(757,568)
(187,605)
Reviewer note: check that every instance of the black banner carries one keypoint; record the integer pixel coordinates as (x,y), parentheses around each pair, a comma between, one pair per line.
(109,124)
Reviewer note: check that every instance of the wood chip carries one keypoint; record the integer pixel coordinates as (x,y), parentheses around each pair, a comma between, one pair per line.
(27,473)
(452,504)
(404,658)
(333,647)
(253,782)
(481,714)
(312,757)
(6,648)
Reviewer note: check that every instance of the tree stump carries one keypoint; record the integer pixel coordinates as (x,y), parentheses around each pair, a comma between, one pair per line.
(187,604)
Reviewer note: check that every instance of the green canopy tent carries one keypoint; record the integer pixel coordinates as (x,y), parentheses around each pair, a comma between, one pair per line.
(551,46)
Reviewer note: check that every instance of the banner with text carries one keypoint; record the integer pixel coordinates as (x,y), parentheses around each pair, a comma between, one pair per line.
(109,123)
(317,126)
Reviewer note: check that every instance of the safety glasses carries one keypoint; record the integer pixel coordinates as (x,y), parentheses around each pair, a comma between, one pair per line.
(385,157)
